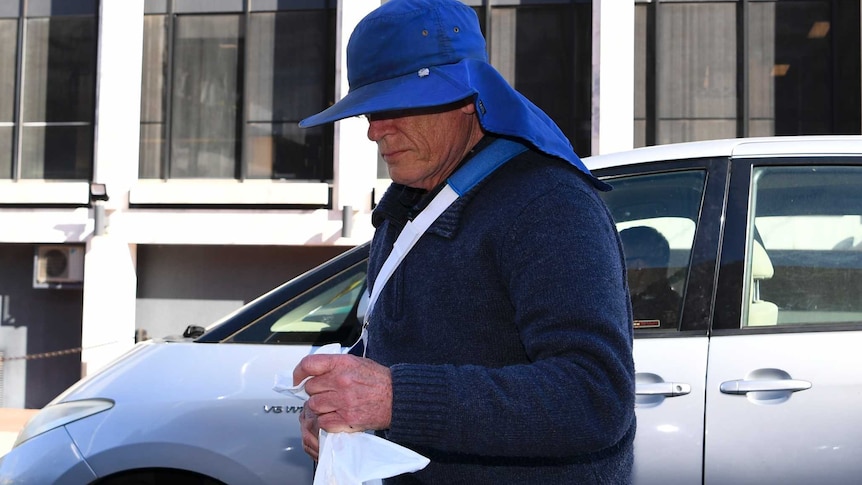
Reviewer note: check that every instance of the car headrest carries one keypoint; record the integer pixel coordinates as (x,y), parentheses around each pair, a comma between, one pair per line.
(761,266)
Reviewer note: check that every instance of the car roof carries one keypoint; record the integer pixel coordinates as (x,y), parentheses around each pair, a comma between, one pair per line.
(732,147)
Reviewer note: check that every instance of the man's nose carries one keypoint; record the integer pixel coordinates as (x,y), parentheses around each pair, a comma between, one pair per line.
(378,128)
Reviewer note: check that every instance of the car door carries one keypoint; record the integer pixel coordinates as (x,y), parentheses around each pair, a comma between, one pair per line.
(683,202)
(263,341)
(784,383)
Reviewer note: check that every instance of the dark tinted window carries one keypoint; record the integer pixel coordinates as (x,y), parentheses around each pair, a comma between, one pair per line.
(220,101)
(47,98)
(657,215)
(713,69)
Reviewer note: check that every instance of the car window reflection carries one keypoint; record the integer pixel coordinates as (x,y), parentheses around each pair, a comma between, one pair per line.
(647,254)
(324,313)
(804,263)
(656,215)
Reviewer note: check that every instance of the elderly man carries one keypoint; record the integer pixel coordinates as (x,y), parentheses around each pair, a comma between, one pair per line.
(499,336)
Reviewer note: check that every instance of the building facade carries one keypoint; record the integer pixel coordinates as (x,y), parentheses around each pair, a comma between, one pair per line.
(152,174)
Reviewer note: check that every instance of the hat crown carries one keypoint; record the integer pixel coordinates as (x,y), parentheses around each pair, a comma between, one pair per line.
(404,36)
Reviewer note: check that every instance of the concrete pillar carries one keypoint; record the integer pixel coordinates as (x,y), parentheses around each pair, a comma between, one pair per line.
(355,156)
(109,271)
(13,372)
(613,76)
(110,285)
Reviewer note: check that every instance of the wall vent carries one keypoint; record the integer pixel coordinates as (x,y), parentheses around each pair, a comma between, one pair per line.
(58,264)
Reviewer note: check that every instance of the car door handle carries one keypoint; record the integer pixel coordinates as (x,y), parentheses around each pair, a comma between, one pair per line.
(666,389)
(742,386)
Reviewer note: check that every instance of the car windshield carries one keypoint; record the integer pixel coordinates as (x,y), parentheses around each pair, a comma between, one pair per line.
(323,313)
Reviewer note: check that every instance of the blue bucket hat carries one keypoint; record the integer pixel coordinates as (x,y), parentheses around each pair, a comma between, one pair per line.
(410,54)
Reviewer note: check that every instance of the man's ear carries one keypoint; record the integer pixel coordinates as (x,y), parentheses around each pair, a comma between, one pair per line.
(469,107)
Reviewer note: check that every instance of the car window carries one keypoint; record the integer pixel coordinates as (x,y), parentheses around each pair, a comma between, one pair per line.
(804,259)
(327,310)
(656,216)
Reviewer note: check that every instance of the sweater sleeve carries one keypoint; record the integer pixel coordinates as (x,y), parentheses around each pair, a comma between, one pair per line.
(562,264)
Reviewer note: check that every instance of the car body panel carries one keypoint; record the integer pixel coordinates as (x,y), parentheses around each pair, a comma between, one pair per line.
(732,147)
(670,427)
(52,457)
(815,435)
(809,436)
(214,413)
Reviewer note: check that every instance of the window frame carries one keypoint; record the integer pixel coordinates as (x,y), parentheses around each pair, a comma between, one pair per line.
(699,289)
(736,242)
(841,73)
(24,14)
(171,12)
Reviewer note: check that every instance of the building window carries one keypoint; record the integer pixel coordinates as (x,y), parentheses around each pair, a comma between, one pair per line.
(804,67)
(205,96)
(47,93)
(8,56)
(222,93)
(544,50)
(722,69)
(697,97)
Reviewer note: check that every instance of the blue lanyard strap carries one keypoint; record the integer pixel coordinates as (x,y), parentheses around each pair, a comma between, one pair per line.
(480,166)
(465,178)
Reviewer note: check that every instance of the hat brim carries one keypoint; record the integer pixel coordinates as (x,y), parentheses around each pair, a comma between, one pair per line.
(501,109)
(441,85)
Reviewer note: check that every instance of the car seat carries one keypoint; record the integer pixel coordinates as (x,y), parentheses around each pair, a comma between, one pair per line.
(760,312)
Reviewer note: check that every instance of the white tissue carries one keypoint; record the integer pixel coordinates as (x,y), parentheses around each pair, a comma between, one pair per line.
(353,458)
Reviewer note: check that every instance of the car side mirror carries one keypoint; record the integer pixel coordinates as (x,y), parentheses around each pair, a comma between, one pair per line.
(193,331)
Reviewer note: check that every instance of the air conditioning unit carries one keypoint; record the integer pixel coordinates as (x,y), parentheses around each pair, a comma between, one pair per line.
(57,264)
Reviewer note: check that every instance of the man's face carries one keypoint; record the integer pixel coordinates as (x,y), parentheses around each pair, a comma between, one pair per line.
(422,147)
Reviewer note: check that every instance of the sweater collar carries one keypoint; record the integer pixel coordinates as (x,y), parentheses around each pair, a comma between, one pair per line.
(401,203)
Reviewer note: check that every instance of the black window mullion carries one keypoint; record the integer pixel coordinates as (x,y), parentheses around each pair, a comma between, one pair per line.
(486,8)
(653,76)
(17,132)
(242,170)
(167,116)
(742,62)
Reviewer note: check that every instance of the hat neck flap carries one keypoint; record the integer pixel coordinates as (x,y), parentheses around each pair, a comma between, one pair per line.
(506,112)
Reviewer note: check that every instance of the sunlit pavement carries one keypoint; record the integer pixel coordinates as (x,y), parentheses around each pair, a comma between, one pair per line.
(11,421)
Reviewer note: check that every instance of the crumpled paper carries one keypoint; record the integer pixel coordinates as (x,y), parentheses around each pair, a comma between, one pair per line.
(353,458)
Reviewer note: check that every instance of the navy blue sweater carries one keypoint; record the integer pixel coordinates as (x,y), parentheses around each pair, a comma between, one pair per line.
(508,331)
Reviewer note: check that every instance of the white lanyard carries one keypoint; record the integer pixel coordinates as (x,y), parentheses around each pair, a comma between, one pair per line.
(474,171)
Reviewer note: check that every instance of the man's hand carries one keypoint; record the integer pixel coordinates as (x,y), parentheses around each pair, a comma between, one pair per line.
(346,393)
(310,433)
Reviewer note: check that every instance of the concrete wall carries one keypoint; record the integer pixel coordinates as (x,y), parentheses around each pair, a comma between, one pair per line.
(197,285)
(36,321)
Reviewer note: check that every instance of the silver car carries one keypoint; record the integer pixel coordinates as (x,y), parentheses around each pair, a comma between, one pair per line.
(745,266)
